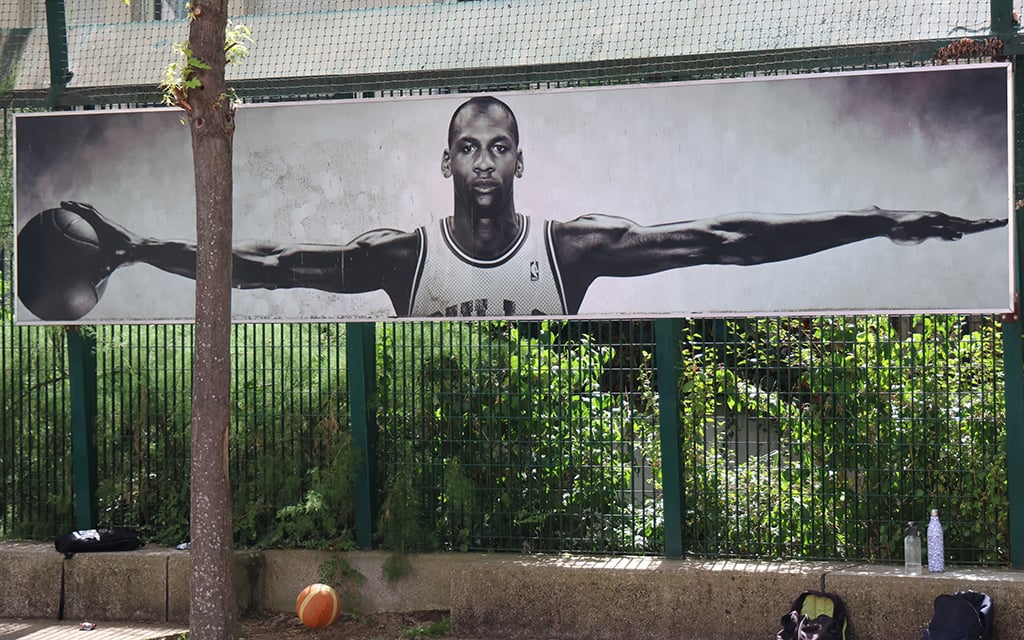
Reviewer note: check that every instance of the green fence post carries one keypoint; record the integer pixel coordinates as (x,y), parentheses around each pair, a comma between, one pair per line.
(82,371)
(57,41)
(1002,16)
(361,366)
(1013,369)
(666,331)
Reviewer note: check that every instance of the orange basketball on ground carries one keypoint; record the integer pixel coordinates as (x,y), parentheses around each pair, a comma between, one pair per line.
(318,606)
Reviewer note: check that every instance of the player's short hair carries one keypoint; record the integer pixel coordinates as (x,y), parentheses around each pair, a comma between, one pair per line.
(483,103)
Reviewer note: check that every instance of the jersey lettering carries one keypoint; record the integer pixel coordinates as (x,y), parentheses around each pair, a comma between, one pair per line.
(523,281)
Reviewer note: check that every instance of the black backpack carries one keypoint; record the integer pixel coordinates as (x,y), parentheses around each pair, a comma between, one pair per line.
(114,539)
(964,615)
(815,615)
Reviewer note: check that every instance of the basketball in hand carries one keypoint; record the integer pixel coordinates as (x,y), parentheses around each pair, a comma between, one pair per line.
(318,606)
(62,268)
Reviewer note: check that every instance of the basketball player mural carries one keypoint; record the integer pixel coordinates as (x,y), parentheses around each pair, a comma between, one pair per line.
(486,259)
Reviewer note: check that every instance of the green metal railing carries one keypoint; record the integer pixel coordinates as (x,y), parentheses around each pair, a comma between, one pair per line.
(540,436)
(794,438)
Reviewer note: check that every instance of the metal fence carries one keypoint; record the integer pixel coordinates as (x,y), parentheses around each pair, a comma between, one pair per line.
(780,438)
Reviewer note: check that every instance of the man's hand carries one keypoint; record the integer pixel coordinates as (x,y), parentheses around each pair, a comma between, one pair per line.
(914,227)
(116,241)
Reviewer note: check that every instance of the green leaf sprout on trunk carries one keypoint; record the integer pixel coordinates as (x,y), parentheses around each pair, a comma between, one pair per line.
(182,75)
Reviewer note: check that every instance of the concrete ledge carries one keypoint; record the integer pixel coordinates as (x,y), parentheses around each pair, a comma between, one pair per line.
(122,585)
(359,577)
(885,603)
(30,583)
(147,585)
(556,597)
(643,598)
(248,565)
(651,598)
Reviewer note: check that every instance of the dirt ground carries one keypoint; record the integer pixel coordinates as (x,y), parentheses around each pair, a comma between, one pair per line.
(378,626)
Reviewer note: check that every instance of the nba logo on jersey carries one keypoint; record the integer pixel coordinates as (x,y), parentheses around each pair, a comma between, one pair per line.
(452,283)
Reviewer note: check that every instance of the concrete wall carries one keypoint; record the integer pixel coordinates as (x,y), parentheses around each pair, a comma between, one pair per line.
(147,585)
(556,597)
(650,598)
(637,598)
(360,580)
(30,578)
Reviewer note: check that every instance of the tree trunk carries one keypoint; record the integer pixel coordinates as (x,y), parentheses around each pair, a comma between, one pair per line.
(211,120)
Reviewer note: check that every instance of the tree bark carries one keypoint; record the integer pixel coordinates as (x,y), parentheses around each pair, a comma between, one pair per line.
(211,120)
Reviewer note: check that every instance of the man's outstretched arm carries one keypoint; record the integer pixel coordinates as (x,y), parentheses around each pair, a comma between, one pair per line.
(630,249)
(379,259)
(598,245)
(375,260)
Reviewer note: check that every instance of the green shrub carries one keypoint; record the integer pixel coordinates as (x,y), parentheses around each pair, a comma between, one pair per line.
(514,442)
(875,422)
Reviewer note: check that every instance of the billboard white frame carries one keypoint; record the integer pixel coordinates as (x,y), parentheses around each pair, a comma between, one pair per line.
(929,139)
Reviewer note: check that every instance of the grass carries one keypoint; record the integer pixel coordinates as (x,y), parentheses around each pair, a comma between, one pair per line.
(429,630)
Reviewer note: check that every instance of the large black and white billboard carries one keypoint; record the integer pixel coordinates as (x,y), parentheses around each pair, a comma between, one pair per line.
(860,192)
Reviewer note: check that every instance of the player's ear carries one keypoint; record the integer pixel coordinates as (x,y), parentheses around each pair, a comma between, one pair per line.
(446,164)
(519,163)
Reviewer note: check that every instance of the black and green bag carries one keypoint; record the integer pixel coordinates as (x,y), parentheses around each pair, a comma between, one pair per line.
(815,615)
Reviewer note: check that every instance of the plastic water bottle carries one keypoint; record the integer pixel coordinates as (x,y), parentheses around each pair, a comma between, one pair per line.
(936,544)
(912,551)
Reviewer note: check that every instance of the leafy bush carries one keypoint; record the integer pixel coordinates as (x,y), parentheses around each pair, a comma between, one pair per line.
(515,444)
(865,424)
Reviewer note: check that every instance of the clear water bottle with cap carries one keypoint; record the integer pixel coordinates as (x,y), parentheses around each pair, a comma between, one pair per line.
(912,551)
(936,544)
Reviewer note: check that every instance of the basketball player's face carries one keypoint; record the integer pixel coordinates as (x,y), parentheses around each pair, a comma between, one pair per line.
(483,161)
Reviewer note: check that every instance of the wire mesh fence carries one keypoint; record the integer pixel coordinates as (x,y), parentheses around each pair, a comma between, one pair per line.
(825,437)
(529,436)
(115,53)
(809,438)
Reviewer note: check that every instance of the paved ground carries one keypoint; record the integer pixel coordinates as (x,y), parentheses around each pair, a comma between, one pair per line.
(263,626)
(53,630)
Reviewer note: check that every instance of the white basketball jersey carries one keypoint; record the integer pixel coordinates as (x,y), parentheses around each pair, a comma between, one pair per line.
(523,281)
